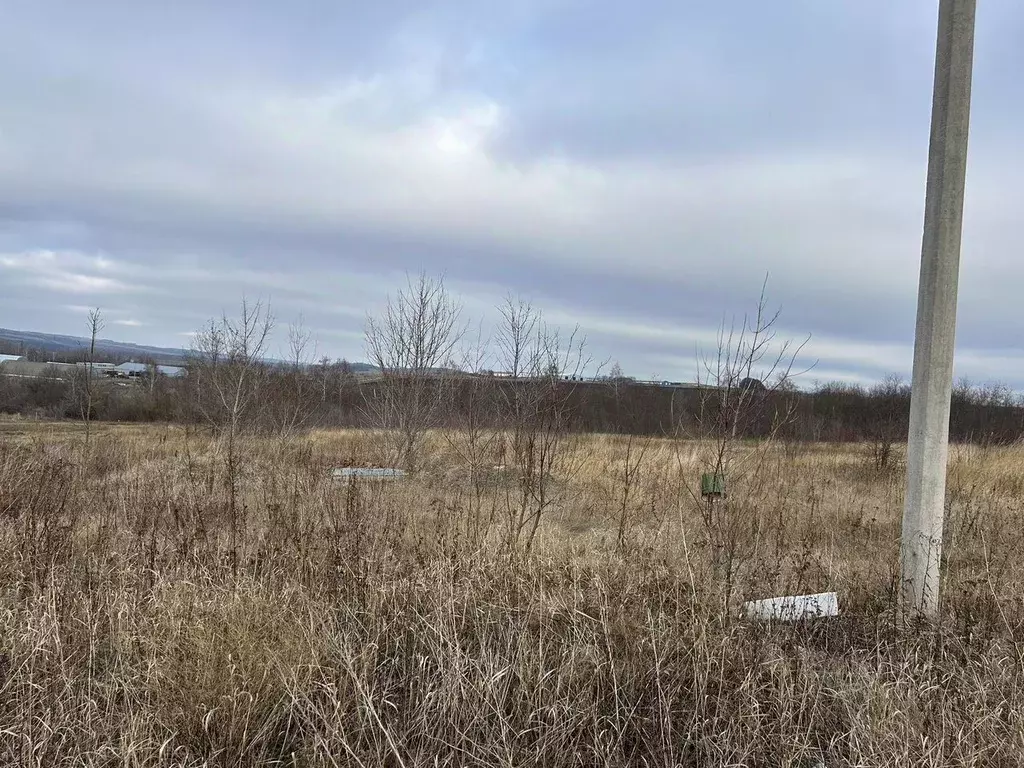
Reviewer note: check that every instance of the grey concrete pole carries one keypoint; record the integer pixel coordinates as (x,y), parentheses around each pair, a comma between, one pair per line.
(928,444)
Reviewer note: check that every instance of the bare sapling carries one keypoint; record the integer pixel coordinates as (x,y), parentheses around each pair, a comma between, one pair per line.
(412,343)
(227,374)
(889,412)
(541,450)
(296,394)
(96,324)
(323,377)
(627,472)
(744,403)
(470,433)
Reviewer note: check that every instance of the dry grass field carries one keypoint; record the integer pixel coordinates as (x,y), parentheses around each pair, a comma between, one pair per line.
(146,620)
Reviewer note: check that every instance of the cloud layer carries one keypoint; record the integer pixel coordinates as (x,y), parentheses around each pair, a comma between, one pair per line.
(638,172)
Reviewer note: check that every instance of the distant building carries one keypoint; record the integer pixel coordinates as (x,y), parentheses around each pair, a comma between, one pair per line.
(141,370)
(752,385)
(98,369)
(131,370)
(11,358)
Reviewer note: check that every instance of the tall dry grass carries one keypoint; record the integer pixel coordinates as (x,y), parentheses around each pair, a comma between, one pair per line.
(399,624)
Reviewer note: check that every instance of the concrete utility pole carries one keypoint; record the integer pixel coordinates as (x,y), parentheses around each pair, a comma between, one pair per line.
(928,445)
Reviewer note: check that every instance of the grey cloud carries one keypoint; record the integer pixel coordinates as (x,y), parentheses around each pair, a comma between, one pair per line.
(641,171)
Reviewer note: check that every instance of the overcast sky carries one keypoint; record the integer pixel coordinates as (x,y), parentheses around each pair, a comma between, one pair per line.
(636,168)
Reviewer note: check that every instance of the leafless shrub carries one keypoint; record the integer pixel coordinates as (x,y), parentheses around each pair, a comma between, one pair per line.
(626,481)
(889,420)
(474,436)
(292,393)
(626,474)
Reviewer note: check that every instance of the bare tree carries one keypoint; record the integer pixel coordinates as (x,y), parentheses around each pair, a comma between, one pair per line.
(323,374)
(412,344)
(227,361)
(515,335)
(227,370)
(616,377)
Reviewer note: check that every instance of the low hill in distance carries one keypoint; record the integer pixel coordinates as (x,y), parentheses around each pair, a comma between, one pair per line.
(20,342)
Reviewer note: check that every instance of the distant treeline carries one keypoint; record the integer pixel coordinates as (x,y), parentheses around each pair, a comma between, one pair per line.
(831,412)
(331,395)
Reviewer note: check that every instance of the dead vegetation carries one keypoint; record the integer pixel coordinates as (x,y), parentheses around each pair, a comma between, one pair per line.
(531,594)
(149,619)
